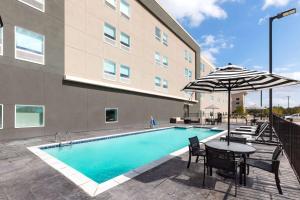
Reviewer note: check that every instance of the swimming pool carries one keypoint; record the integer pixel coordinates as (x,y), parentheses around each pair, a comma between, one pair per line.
(105,158)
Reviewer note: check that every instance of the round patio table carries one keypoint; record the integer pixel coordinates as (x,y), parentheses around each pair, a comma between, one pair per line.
(237,148)
(233,146)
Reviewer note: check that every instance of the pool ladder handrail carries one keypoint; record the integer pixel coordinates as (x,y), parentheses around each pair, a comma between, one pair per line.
(67,137)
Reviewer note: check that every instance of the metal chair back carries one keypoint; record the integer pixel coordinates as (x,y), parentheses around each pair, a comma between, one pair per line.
(194,145)
(220,159)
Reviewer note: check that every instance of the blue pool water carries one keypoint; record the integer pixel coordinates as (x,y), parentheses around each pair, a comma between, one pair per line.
(102,160)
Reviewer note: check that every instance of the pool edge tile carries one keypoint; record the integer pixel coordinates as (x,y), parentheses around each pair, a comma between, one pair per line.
(91,187)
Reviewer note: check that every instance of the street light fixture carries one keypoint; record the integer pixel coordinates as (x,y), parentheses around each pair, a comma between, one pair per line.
(285,13)
(271,19)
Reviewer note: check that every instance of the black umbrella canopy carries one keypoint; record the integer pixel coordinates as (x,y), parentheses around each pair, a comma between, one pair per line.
(233,78)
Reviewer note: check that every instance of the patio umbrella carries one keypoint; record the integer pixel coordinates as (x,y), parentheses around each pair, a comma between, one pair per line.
(233,78)
(212,107)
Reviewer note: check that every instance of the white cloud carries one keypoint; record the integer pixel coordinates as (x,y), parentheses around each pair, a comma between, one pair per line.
(276,3)
(293,75)
(263,20)
(279,94)
(257,67)
(194,12)
(211,46)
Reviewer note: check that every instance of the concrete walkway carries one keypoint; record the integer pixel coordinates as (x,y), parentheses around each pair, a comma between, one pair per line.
(25,176)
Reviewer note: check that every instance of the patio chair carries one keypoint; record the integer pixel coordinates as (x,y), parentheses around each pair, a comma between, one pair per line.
(195,150)
(222,160)
(241,140)
(271,166)
(260,131)
(250,131)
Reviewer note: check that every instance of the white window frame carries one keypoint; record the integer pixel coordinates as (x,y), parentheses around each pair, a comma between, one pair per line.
(108,75)
(129,9)
(160,82)
(44,114)
(165,39)
(157,37)
(190,75)
(190,57)
(185,54)
(2,109)
(30,5)
(28,60)
(110,4)
(125,66)
(167,59)
(117,109)
(106,36)
(167,84)
(129,39)
(186,75)
(157,61)
(2,41)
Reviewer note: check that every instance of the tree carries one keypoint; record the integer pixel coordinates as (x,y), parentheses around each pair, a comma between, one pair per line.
(239,111)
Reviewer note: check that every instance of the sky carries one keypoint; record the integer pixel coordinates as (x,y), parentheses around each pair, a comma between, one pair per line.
(237,31)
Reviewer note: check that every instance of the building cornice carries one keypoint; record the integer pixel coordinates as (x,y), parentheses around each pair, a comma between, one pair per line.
(125,88)
(166,18)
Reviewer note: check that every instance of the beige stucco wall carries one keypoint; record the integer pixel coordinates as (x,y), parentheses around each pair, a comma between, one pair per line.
(85,48)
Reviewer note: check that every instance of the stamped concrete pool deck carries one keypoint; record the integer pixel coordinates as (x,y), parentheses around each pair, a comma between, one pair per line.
(25,176)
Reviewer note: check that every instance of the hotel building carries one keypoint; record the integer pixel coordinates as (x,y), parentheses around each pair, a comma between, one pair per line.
(83,65)
(238,100)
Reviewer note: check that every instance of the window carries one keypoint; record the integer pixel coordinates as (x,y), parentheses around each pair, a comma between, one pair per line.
(157,81)
(27,116)
(157,57)
(165,84)
(157,33)
(37,4)
(186,73)
(1,116)
(237,103)
(111,115)
(109,31)
(1,41)
(111,3)
(237,99)
(190,74)
(165,39)
(125,8)
(190,57)
(124,71)
(165,61)
(185,55)
(109,67)
(125,39)
(29,46)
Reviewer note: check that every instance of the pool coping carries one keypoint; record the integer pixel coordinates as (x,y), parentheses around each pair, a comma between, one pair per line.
(93,188)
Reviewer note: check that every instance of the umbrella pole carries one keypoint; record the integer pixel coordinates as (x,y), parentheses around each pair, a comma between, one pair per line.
(228,121)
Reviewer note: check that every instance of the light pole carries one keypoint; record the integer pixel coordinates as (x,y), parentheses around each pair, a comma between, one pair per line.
(261,106)
(1,22)
(271,19)
(288,104)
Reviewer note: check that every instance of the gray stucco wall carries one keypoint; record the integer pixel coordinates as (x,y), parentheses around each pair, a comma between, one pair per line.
(68,106)
(72,106)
